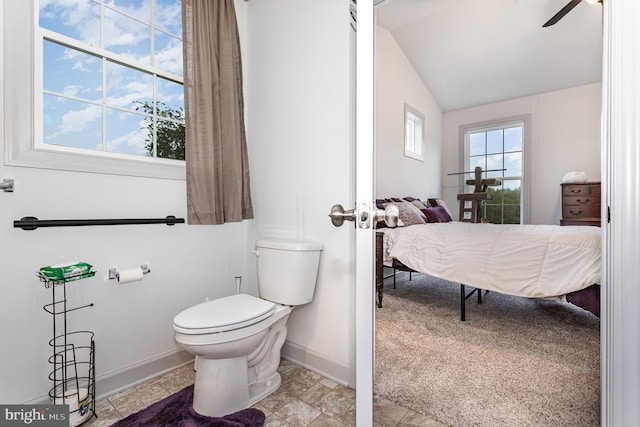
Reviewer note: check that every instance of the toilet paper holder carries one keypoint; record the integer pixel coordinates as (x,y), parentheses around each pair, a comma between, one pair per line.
(113,272)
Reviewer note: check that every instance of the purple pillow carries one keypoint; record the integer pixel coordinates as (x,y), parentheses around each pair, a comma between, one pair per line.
(437,214)
(380,203)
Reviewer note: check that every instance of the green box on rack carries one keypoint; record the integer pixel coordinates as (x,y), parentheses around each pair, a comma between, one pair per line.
(66,272)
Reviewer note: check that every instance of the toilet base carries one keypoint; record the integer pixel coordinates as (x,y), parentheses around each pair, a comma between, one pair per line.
(262,389)
(237,395)
(208,399)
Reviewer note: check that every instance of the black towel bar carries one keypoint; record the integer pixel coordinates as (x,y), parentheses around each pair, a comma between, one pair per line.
(31,223)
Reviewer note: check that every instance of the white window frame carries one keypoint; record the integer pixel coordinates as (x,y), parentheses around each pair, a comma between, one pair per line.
(414,134)
(525,120)
(21,115)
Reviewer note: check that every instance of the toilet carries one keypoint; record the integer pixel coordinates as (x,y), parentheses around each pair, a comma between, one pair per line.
(237,339)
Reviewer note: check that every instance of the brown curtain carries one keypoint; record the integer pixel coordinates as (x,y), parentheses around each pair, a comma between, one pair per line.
(216,149)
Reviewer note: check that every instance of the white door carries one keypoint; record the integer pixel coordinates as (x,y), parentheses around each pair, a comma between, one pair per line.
(364,199)
(361,216)
(365,214)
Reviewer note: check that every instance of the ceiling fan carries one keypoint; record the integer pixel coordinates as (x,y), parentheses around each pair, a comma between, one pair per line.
(573,3)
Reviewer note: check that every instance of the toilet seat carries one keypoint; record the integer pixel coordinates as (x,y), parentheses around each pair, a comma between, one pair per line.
(223,314)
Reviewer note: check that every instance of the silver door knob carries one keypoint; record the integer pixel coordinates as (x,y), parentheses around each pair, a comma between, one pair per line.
(338,215)
(6,185)
(389,215)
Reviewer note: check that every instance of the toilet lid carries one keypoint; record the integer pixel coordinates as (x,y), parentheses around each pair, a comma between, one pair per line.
(224,314)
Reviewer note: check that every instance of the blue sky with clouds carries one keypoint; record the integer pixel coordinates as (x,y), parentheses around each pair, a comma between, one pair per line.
(489,147)
(86,96)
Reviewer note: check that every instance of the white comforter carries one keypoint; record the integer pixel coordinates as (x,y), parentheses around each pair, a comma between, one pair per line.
(542,261)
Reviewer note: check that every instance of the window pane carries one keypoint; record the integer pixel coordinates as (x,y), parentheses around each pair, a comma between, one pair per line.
(494,141)
(494,161)
(493,174)
(476,144)
(79,19)
(170,99)
(496,195)
(511,214)
(512,201)
(513,164)
(72,72)
(168,53)
(413,134)
(127,37)
(477,161)
(493,213)
(71,123)
(128,88)
(170,140)
(408,135)
(512,190)
(140,9)
(513,139)
(168,16)
(128,133)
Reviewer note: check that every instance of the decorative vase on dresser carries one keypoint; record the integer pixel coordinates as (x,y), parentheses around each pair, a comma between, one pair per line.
(581,203)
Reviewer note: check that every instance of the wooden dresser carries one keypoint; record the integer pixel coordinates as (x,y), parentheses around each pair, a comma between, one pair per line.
(581,204)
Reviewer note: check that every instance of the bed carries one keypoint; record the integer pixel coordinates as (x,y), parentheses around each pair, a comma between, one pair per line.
(532,261)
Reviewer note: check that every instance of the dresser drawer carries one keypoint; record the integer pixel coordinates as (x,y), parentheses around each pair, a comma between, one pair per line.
(581,221)
(581,211)
(569,190)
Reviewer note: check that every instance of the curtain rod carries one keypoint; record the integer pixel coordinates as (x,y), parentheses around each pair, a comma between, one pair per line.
(31,223)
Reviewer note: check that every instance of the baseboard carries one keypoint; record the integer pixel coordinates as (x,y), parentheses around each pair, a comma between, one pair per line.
(122,379)
(314,362)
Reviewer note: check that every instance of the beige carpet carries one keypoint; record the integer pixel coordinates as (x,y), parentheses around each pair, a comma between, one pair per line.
(514,362)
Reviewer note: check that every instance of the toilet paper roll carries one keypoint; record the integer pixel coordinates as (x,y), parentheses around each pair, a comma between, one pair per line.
(78,410)
(130,275)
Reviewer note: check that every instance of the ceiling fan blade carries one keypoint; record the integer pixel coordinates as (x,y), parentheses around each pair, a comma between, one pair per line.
(558,16)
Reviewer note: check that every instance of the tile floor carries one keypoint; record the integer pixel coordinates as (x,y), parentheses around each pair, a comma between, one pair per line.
(304,399)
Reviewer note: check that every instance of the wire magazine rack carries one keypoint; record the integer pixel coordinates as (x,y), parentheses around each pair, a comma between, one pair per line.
(73,357)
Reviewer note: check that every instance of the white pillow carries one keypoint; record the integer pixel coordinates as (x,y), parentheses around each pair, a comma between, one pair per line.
(574,176)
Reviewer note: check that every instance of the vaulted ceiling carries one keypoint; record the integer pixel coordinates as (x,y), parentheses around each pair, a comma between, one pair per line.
(475,52)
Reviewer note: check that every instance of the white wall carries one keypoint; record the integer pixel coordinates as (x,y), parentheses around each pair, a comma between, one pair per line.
(300,147)
(565,136)
(133,322)
(398,83)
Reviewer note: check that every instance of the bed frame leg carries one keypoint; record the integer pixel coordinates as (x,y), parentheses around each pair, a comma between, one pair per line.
(464,297)
(394,278)
(463,300)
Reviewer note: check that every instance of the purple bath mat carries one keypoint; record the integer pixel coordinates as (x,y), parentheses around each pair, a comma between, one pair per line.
(177,411)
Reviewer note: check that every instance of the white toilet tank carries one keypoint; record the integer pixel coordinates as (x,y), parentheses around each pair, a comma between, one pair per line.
(287,270)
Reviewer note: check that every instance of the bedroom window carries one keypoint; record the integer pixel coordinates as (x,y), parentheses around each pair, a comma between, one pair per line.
(413,133)
(111,77)
(498,149)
